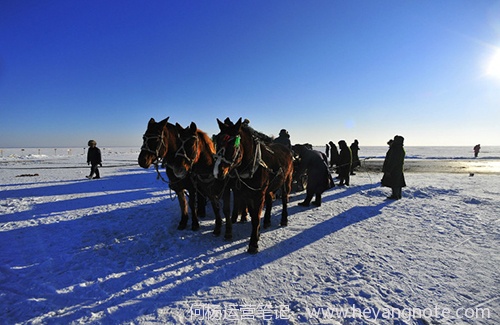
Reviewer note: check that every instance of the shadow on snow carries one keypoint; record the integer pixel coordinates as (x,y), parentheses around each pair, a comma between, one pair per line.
(131,261)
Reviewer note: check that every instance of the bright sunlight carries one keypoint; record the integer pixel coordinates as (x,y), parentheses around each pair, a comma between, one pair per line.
(493,69)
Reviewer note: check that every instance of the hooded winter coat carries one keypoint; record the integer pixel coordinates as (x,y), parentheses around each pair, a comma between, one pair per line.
(345,159)
(393,165)
(334,154)
(94,156)
(318,177)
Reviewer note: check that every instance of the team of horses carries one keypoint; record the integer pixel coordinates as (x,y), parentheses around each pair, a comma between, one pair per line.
(238,161)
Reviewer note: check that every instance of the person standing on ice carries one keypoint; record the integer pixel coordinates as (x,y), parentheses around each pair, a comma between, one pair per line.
(334,154)
(94,159)
(477,147)
(355,157)
(393,168)
(344,163)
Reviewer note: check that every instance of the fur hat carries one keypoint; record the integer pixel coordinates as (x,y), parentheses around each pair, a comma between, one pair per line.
(92,142)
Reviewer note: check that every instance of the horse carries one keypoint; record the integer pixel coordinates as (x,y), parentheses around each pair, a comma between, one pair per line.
(194,159)
(259,169)
(160,145)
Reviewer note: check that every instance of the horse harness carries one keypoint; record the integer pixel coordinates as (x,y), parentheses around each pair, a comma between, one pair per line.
(250,170)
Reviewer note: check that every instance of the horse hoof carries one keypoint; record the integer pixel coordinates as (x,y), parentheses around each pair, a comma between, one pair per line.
(267,225)
(195,227)
(228,237)
(181,227)
(217,233)
(253,250)
(284,223)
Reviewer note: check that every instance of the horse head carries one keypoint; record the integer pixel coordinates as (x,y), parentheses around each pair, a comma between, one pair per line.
(188,151)
(229,149)
(155,143)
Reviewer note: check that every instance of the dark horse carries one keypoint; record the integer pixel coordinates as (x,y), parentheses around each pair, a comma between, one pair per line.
(194,160)
(160,145)
(258,171)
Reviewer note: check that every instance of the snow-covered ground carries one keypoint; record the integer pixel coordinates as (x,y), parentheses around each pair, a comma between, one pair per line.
(78,251)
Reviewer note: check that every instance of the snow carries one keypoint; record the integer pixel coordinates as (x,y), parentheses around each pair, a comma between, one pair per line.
(78,251)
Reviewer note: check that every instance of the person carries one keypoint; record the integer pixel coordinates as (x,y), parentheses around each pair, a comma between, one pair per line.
(334,154)
(284,139)
(393,168)
(477,147)
(94,159)
(344,163)
(355,156)
(318,176)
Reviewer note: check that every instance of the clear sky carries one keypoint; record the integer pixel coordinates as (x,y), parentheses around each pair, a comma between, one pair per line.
(324,70)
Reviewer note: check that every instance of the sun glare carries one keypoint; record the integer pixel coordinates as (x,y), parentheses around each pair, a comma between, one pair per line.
(493,69)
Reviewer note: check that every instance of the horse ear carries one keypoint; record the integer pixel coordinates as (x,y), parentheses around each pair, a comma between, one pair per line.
(238,124)
(151,121)
(193,127)
(165,120)
(221,125)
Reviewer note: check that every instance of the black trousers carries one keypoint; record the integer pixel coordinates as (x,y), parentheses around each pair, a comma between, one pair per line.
(94,169)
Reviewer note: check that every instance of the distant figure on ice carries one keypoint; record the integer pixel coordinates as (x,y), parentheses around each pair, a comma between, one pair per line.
(355,157)
(94,159)
(393,168)
(334,154)
(344,163)
(318,176)
(477,147)
(284,139)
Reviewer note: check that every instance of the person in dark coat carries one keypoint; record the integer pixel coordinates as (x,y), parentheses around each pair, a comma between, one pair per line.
(284,139)
(334,154)
(355,156)
(393,168)
(344,164)
(477,147)
(94,159)
(318,176)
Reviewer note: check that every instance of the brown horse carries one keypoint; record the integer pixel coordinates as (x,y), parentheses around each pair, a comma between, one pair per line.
(160,145)
(258,171)
(194,159)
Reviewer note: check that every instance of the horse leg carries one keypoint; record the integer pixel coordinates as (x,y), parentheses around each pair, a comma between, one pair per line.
(267,214)
(194,213)
(184,210)
(239,208)
(226,209)
(236,207)
(201,204)
(317,202)
(218,219)
(287,188)
(255,210)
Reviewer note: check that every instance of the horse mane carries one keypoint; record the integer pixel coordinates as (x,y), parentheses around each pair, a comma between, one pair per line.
(256,134)
(208,146)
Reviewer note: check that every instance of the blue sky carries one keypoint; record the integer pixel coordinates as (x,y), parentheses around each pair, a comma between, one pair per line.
(324,69)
